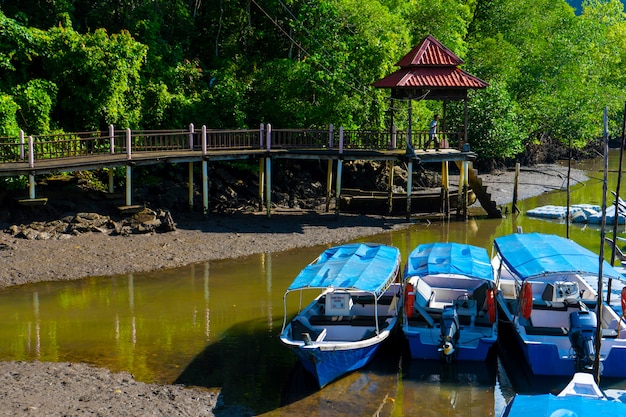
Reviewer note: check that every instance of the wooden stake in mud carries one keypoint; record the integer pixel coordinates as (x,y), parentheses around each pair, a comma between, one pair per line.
(514,209)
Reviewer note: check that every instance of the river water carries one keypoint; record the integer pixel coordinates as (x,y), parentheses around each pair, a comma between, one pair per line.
(216,325)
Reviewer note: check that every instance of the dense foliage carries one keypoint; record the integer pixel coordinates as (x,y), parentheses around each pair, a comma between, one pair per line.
(74,65)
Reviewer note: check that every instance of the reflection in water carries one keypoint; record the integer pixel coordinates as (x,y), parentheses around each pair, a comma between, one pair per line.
(215,325)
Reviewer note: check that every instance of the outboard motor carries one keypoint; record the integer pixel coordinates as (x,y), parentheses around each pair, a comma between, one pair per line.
(450,332)
(582,331)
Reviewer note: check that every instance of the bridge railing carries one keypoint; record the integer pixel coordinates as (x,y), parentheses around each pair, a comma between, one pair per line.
(67,145)
(231,139)
(301,138)
(11,150)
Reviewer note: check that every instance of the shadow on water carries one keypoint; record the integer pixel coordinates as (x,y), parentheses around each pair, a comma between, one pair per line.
(247,363)
(289,222)
(258,376)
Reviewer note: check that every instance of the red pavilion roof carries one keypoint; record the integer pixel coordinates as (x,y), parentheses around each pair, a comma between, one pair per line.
(430,65)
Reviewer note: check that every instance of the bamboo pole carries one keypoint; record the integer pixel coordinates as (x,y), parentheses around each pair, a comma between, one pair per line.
(569,171)
(598,338)
(617,205)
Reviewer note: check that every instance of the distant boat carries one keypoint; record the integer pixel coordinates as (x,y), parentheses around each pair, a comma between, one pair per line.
(581,397)
(357,309)
(548,303)
(450,311)
(377,202)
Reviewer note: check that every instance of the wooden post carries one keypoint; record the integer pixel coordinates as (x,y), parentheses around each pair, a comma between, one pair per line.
(514,209)
(21,145)
(261,182)
(464,123)
(329,169)
(338,186)
(205,172)
(31,186)
(465,188)
(112,152)
(339,172)
(192,132)
(111,139)
(459,204)
(390,164)
(205,187)
(111,180)
(268,171)
(31,152)
(190,185)
(445,189)
(128,144)
(129,188)
(409,187)
(329,184)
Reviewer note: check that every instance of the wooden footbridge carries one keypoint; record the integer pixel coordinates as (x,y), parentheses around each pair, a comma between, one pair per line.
(46,154)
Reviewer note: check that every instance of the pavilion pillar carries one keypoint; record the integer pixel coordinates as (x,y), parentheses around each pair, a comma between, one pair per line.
(445,189)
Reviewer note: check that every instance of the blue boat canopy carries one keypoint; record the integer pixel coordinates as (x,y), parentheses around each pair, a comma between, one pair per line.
(363,266)
(531,255)
(449,258)
(551,405)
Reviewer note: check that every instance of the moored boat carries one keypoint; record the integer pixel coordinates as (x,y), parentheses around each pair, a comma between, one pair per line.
(377,202)
(449,302)
(547,300)
(580,397)
(355,311)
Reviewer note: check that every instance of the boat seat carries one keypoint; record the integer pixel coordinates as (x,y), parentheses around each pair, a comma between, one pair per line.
(549,305)
(423,293)
(301,327)
(319,320)
(546,331)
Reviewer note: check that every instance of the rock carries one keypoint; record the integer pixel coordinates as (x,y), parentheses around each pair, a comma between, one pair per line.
(141,222)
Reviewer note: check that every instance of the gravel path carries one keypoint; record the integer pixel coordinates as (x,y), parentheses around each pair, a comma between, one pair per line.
(56,389)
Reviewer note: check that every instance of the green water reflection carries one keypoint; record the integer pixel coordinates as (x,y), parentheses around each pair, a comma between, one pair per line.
(216,325)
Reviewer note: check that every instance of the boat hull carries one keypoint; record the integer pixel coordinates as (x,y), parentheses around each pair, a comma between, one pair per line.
(424,344)
(327,365)
(550,355)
